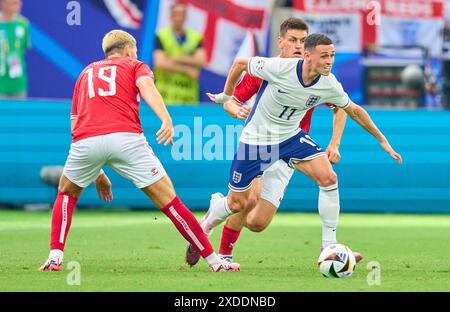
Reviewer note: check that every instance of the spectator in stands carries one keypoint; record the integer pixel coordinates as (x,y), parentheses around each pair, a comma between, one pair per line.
(14,41)
(178,58)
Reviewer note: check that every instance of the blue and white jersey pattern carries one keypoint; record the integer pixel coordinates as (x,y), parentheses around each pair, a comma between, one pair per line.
(283,99)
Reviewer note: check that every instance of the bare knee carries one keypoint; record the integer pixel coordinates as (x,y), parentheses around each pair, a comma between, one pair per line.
(327,179)
(255,224)
(68,187)
(236,204)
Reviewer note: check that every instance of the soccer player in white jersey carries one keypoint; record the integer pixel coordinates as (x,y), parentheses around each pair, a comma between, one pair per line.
(290,87)
(267,192)
(106,129)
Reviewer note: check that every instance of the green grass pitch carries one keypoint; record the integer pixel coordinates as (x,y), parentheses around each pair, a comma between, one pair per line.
(142,251)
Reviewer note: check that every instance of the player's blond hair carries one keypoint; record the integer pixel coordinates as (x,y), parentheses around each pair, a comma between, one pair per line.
(116,40)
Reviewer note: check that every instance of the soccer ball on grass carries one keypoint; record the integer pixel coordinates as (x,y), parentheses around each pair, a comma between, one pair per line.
(336,260)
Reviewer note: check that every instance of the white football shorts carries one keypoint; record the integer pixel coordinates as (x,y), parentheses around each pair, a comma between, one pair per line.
(128,154)
(274,181)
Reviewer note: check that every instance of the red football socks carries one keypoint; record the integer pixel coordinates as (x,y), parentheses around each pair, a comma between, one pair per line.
(229,238)
(188,226)
(61,219)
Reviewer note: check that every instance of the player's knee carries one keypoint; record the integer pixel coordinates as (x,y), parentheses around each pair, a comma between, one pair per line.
(327,179)
(255,224)
(67,187)
(236,205)
(71,191)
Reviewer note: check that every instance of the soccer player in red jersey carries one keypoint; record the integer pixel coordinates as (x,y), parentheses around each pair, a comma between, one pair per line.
(267,192)
(106,129)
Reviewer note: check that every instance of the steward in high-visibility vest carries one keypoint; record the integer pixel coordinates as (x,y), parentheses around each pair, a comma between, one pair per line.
(177,87)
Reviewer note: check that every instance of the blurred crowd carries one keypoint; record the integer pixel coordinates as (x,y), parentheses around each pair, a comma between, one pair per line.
(179,59)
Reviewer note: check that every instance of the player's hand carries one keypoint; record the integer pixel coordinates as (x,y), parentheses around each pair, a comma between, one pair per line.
(219,98)
(333,153)
(236,111)
(243,112)
(165,133)
(104,188)
(387,147)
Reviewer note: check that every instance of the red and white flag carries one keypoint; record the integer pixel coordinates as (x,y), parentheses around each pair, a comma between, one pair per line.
(225,25)
(125,12)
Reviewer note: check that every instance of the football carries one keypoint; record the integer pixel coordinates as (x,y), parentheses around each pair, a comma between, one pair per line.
(336,260)
(412,76)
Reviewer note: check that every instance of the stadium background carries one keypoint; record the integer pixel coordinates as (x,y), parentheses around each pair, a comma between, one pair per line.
(36,133)
(140,250)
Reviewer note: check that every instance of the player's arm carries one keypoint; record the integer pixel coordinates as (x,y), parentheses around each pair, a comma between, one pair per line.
(359,114)
(153,99)
(239,66)
(339,120)
(247,87)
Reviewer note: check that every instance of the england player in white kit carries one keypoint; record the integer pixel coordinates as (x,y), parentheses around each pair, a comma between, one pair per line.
(289,89)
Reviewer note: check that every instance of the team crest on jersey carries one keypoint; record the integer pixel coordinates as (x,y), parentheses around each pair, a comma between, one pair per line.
(260,64)
(237,176)
(312,101)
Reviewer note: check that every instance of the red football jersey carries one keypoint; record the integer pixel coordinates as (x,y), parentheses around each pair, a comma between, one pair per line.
(106,97)
(249,86)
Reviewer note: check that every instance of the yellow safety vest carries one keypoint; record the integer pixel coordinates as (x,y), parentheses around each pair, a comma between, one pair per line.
(177,88)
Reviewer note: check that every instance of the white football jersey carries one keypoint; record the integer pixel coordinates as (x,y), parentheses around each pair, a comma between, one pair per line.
(283,99)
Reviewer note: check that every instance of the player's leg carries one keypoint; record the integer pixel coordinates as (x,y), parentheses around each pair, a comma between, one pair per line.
(320,170)
(274,183)
(162,194)
(82,167)
(134,159)
(306,156)
(265,198)
(219,211)
(222,208)
(244,170)
(246,166)
(259,218)
(234,223)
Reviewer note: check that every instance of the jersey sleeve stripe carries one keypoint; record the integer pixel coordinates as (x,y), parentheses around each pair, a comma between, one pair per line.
(249,66)
(73,117)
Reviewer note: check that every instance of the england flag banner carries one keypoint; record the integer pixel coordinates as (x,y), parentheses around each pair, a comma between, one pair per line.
(225,25)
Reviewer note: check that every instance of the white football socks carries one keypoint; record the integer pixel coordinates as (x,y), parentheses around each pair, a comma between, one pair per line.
(56,253)
(218,212)
(329,212)
(212,259)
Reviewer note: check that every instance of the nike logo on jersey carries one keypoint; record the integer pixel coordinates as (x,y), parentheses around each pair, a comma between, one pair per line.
(281,91)
(318,148)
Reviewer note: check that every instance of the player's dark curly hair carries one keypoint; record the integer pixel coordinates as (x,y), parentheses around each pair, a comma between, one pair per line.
(293,23)
(314,40)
